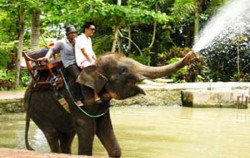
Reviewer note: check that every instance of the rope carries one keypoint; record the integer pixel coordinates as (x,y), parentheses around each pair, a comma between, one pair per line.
(71,97)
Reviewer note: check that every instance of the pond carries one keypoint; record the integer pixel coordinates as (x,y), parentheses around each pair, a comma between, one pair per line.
(156,131)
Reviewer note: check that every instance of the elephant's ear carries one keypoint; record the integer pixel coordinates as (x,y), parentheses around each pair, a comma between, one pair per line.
(92,78)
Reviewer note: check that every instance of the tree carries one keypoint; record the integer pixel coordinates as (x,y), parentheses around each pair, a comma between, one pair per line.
(116,29)
(119,17)
(20,44)
(35,29)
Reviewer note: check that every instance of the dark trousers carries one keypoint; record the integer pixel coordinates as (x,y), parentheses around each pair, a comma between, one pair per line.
(72,72)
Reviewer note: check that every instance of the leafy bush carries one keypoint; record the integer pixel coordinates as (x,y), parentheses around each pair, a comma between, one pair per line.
(178,76)
(7,75)
(7,79)
(7,53)
(191,73)
(197,70)
(142,59)
(241,77)
(25,78)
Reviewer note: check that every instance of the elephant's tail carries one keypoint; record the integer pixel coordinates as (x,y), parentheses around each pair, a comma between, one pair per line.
(27,99)
(27,126)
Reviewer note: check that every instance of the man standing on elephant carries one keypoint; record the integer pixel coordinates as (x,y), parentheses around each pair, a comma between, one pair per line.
(67,48)
(85,56)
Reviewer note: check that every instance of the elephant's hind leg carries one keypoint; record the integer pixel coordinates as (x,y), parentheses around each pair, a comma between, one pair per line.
(66,140)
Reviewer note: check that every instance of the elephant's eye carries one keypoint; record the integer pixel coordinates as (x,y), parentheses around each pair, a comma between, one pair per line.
(122,69)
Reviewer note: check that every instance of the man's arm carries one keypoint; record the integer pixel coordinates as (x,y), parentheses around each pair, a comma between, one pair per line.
(56,48)
(86,55)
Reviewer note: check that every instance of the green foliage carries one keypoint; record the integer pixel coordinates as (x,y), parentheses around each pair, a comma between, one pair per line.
(7,79)
(196,69)
(7,75)
(241,77)
(25,78)
(182,14)
(7,50)
(102,44)
(192,72)
(174,55)
(178,76)
(142,59)
(182,23)
(8,24)
(175,22)
(174,52)
(126,14)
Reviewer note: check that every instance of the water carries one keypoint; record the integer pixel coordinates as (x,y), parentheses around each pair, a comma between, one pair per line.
(161,132)
(231,20)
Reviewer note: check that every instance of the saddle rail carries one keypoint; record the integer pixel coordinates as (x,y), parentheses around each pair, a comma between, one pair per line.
(34,63)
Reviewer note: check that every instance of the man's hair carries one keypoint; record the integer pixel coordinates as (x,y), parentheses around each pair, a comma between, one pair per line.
(87,25)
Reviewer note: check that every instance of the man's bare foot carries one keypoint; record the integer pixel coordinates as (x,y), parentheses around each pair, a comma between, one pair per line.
(98,101)
(79,103)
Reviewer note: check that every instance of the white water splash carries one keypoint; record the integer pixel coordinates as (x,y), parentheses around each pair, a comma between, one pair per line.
(234,18)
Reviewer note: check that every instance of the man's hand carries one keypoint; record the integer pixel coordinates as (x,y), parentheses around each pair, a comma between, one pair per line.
(44,59)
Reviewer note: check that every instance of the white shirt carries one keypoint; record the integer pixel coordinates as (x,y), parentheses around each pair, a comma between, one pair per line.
(83,42)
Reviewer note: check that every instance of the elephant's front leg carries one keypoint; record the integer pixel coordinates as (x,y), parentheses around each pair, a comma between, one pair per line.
(105,132)
(85,129)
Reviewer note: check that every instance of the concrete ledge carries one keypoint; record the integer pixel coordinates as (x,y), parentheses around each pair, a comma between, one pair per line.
(11,105)
(158,93)
(215,98)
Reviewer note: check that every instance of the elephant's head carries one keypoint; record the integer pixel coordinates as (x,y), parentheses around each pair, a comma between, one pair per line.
(118,76)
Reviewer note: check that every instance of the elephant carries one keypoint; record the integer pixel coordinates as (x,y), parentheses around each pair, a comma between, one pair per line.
(114,76)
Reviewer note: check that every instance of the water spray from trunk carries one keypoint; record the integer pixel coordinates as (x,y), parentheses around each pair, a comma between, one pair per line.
(231,20)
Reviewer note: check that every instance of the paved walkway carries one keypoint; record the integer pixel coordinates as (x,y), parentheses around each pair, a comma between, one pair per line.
(18,94)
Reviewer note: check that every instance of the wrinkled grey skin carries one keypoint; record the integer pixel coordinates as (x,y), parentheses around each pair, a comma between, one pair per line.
(116,77)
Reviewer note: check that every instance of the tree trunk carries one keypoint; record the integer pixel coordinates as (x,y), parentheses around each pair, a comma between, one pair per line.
(130,37)
(198,10)
(20,45)
(116,31)
(153,36)
(154,30)
(35,29)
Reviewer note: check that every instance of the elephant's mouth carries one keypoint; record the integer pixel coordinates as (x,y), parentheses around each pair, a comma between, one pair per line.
(134,84)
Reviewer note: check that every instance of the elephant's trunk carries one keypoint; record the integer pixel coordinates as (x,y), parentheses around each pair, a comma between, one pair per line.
(157,72)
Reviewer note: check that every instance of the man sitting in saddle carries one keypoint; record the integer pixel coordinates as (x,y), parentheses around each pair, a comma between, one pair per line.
(85,56)
(67,48)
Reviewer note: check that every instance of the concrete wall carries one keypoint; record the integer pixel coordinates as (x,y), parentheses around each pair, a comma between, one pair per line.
(158,94)
(11,105)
